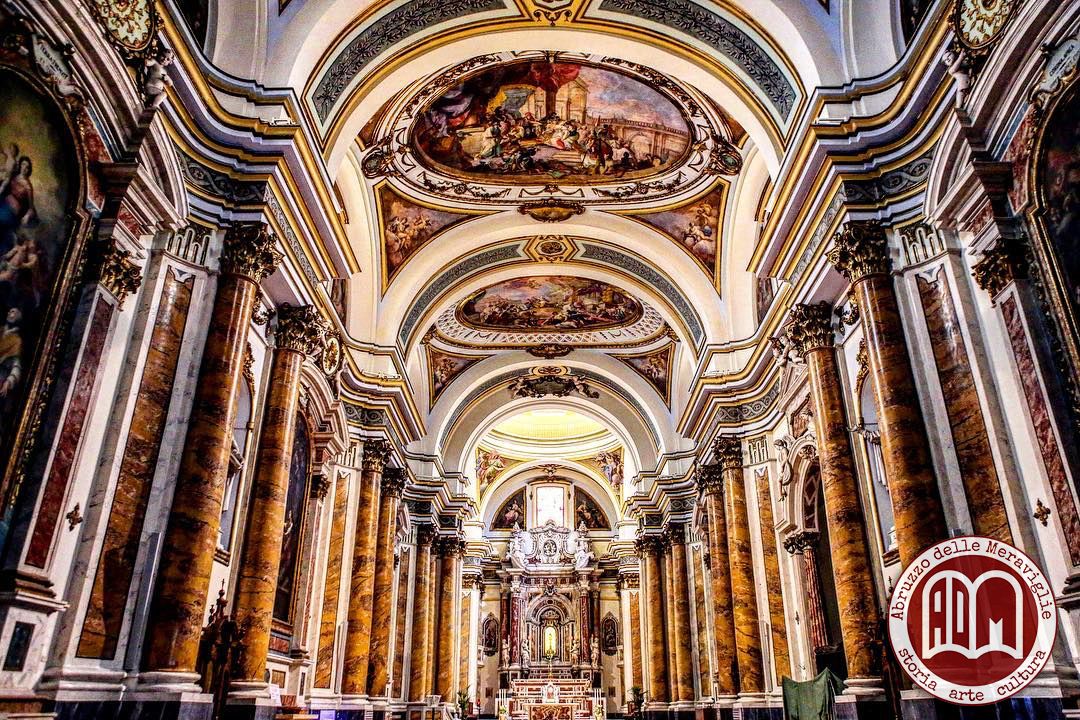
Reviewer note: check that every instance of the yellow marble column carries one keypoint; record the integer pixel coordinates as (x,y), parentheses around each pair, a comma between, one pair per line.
(670,642)
(393,483)
(860,253)
(649,550)
(299,333)
(681,637)
(810,333)
(710,479)
(741,562)
(354,677)
(450,551)
(178,605)
(777,622)
(419,660)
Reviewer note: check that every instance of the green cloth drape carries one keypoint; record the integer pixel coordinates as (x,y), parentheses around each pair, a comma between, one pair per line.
(811,699)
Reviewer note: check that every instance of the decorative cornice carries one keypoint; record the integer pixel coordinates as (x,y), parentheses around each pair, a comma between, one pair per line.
(810,328)
(120,275)
(300,328)
(393,482)
(860,250)
(249,251)
(710,478)
(728,449)
(376,453)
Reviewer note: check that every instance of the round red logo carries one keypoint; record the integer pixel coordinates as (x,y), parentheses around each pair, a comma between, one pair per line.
(972,620)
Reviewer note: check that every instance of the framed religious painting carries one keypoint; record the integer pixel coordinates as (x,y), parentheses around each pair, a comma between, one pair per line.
(1055,220)
(43,227)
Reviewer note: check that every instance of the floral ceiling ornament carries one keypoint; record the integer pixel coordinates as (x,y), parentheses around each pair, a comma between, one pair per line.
(552,210)
(557,382)
(130,25)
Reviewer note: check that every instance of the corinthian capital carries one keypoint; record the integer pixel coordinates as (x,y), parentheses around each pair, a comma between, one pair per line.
(860,250)
(728,451)
(120,275)
(710,479)
(376,453)
(249,251)
(810,328)
(393,482)
(299,328)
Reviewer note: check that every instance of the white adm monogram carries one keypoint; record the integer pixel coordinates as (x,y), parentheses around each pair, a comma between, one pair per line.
(951,622)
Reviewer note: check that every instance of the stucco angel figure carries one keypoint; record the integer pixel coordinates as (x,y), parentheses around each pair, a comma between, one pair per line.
(583,554)
(156,80)
(515,549)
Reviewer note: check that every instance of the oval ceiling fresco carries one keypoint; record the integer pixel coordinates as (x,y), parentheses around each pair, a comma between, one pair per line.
(538,121)
(554,303)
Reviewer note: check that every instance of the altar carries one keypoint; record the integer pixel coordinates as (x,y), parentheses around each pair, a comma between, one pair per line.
(559,699)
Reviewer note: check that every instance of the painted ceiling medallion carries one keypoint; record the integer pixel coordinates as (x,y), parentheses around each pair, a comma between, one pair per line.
(565,130)
(980,22)
(131,24)
(552,303)
(538,121)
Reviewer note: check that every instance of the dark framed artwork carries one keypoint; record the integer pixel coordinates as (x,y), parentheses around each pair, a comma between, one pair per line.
(43,232)
(295,502)
(511,513)
(588,513)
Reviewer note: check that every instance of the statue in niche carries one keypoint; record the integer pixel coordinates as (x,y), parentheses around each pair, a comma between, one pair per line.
(594,651)
(526,654)
(575,652)
(506,651)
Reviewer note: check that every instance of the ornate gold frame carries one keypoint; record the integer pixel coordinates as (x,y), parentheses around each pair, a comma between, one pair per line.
(1051,284)
(70,270)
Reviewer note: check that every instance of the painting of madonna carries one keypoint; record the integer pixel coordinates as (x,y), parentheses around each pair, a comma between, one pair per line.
(37,185)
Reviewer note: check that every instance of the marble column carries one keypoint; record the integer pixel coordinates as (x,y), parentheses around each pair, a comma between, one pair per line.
(684,652)
(391,487)
(419,664)
(354,678)
(710,480)
(741,562)
(299,333)
(178,605)
(811,335)
(650,550)
(670,639)
(860,253)
(775,588)
(451,549)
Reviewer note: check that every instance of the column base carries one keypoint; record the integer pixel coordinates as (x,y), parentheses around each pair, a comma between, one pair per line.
(862,707)
(917,705)
(250,709)
(140,706)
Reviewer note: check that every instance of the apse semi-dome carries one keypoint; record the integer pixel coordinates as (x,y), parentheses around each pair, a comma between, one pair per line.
(538,121)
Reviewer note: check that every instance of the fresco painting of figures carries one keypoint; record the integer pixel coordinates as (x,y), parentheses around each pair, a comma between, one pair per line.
(550,302)
(535,121)
(406,227)
(695,227)
(37,185)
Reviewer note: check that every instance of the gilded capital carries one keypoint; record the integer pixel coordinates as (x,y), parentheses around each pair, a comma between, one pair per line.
(120,275)
(728,449)
(676,533)
(860,250)
(800,542)
(393,482)
(710,478)
(249,251)
(300,328)
(998,267)
(376,453)
(425,534)
(810,328)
